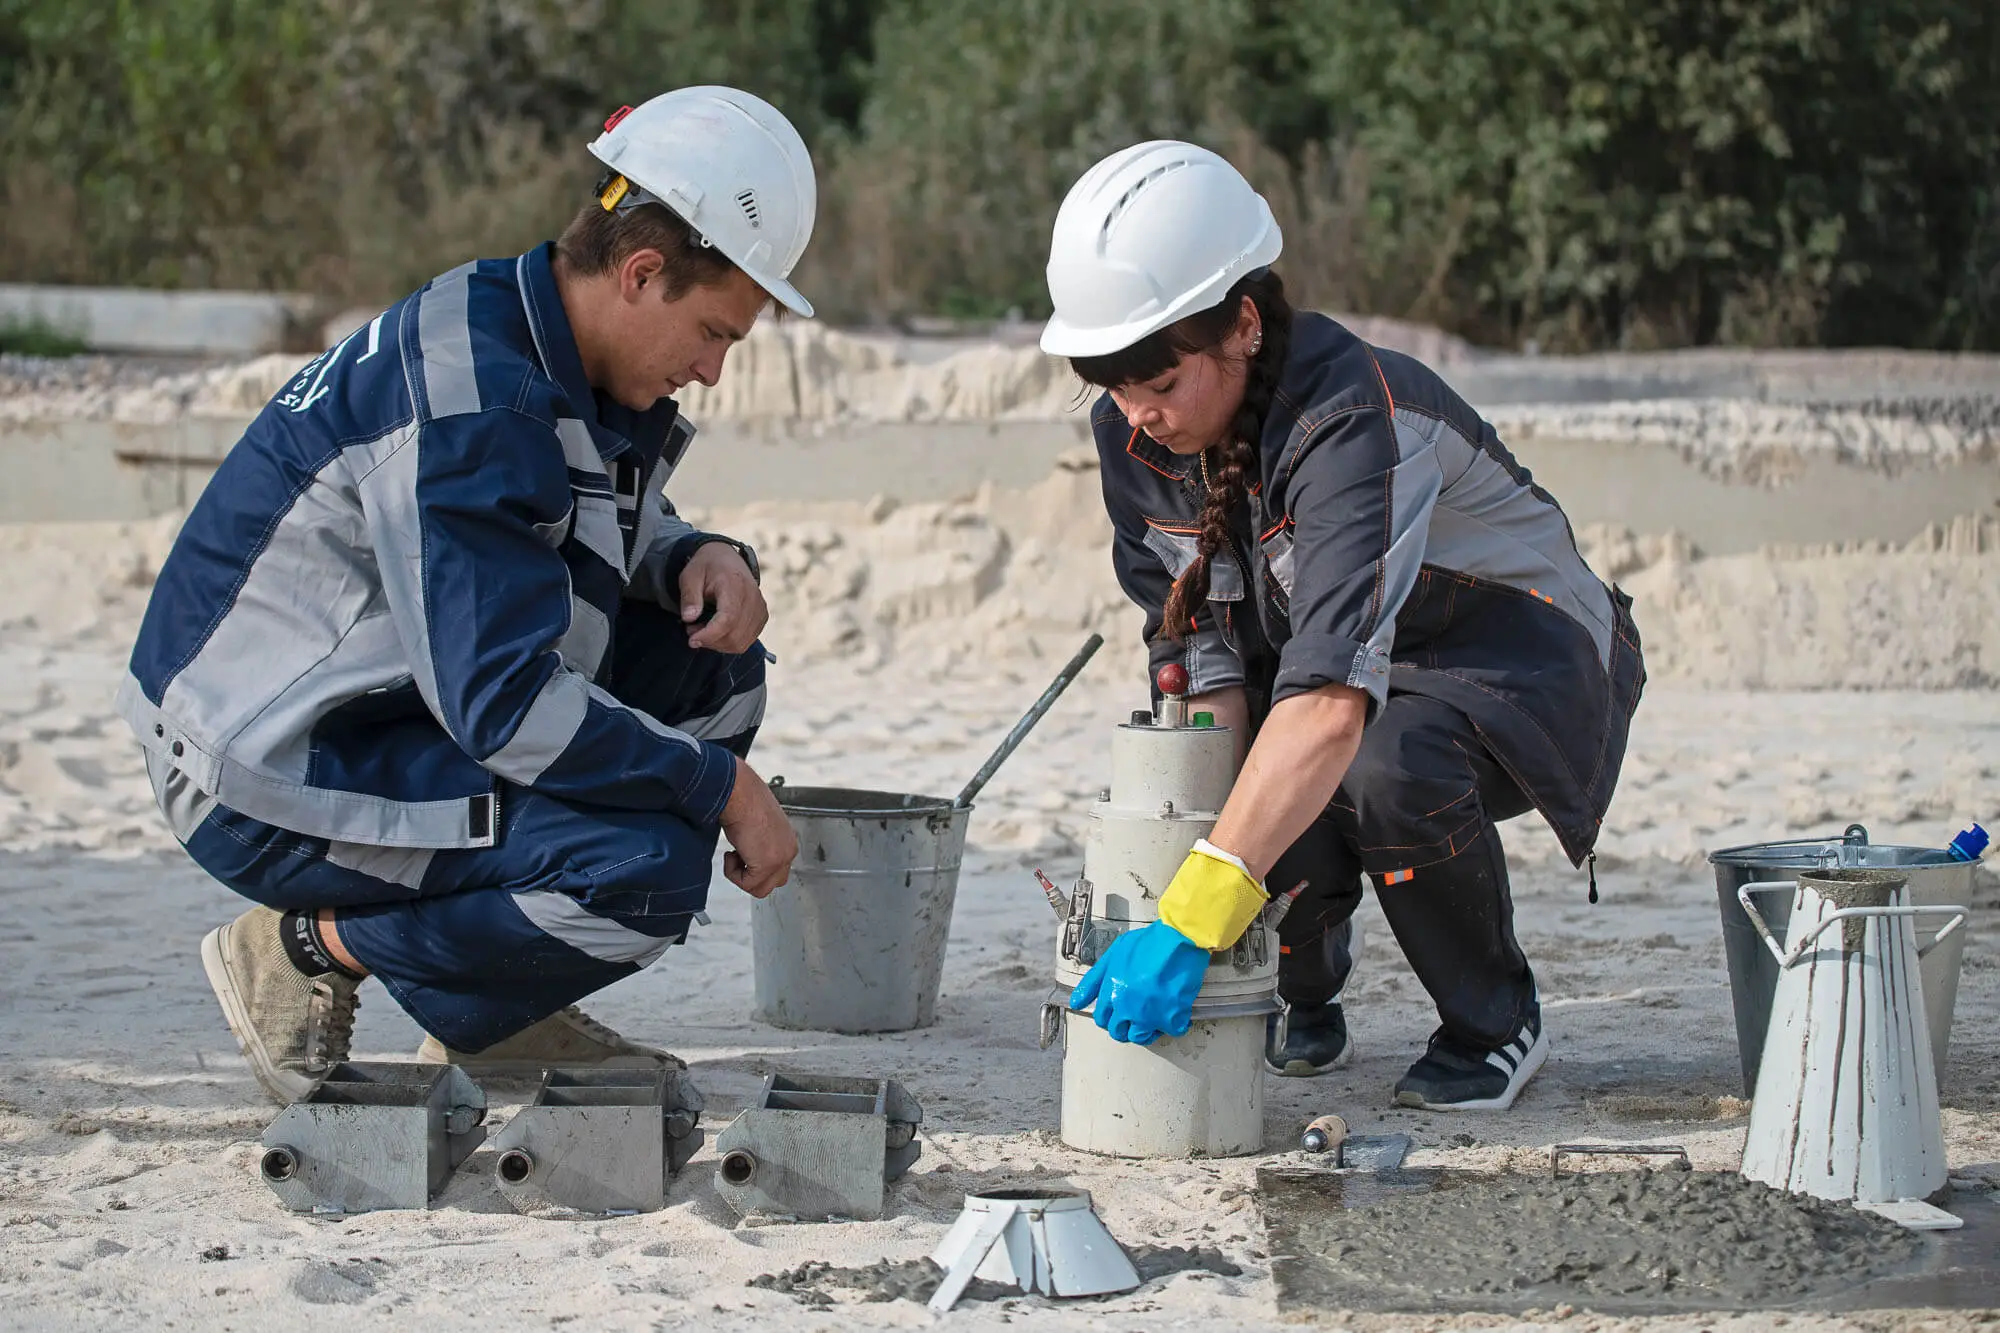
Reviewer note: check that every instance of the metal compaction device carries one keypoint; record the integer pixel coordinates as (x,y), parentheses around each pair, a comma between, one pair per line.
(1198,1094)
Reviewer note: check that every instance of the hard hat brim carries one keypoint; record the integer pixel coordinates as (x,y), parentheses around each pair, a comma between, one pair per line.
(785,295)
(1062,338)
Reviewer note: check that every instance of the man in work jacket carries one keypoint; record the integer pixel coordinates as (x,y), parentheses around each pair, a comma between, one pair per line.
(435,676)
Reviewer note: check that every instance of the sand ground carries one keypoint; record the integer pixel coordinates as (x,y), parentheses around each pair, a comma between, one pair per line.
(129,1124)
(909,640)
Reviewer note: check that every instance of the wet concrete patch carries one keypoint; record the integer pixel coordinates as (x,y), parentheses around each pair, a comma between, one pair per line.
(1637,1242)
(816,1283)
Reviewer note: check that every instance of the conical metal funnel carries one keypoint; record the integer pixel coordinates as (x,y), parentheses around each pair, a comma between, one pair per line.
(1847,1103)
(1039,1240)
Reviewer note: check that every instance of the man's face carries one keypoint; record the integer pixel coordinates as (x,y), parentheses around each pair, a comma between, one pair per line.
(659,345)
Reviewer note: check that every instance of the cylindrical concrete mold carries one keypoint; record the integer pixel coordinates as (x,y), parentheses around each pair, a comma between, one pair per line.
(1193,767)
(1934,879)
(855,941)
(1200,1094)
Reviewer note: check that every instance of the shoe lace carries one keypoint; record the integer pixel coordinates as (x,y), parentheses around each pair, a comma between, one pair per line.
(330,1023)
(606,1034)
(591,1027)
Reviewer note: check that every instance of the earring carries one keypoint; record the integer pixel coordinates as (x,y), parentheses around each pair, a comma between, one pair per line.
(1257,345)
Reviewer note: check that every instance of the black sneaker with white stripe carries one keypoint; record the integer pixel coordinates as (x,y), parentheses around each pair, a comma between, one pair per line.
(1453,1076)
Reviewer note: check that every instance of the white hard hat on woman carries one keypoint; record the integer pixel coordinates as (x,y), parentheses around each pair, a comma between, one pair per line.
(1126,261)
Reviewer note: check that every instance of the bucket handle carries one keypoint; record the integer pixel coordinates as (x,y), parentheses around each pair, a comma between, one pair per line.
(1851,913)
(1799,950)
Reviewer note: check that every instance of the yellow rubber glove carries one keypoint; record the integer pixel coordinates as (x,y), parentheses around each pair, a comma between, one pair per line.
(1213,898)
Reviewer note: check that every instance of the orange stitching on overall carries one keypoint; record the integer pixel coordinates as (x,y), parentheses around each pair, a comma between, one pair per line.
(1449,842)
(1172,525)
(1131,452)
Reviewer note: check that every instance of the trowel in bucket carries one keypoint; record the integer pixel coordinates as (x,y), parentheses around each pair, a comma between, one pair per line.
(1355,1152)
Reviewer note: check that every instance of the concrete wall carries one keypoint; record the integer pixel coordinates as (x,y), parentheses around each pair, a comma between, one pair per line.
(109,470)
(123,319)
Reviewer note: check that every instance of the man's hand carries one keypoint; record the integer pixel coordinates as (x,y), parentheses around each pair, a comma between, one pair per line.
(716,576)
(763,844)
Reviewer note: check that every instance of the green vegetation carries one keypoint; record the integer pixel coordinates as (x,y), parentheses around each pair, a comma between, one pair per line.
(1584,173)
(37,338)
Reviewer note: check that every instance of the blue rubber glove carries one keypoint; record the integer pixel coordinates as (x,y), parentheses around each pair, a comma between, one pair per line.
(1145,984)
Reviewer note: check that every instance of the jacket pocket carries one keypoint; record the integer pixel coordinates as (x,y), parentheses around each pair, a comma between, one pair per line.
(1177,549)
(1279,557)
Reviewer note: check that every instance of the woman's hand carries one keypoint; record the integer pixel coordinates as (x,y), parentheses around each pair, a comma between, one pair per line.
(1144,985)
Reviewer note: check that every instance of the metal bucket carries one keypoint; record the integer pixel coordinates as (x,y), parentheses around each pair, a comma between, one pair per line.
(855,942)
(1934,879)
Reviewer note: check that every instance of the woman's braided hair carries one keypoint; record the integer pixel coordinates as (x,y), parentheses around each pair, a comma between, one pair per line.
(1228,466)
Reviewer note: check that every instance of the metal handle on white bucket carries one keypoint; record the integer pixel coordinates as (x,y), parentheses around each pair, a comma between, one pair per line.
(1851,913)
(1799,950)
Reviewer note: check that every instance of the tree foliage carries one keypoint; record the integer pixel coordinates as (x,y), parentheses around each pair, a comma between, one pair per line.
(1576,172)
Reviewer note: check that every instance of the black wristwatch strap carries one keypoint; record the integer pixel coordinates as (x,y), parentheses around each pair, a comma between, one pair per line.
(744,549)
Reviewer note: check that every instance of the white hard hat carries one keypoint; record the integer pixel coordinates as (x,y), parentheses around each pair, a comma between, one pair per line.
(1151,233)
(731,166)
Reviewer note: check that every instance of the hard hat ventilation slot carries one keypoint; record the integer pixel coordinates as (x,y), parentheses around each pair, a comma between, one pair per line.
(747,201)
(1124,200)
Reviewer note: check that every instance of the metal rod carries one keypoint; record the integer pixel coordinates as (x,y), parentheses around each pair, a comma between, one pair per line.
(1029,719)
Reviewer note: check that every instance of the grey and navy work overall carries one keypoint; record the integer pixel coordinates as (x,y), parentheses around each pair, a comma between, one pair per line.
(411,659)
(1392,544)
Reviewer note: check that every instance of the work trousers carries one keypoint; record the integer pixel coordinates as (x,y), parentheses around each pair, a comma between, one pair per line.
(479,943)
(1416,811)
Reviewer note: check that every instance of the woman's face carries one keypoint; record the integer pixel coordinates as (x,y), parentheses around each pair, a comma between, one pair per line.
(1189,407)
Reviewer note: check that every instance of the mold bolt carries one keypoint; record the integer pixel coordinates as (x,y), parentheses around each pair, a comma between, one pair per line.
(515,1167)
(280,1163)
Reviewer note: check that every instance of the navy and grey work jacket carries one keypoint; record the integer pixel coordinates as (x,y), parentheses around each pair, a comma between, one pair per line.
(398,590)
(1394,545)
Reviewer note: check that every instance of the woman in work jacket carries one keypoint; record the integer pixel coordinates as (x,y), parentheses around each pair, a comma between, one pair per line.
(1352,568)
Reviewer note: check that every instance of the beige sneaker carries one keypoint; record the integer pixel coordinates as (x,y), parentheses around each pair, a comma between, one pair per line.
(568,1037)
(292,1028)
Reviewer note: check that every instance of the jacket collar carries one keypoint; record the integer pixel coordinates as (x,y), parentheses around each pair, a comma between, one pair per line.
(1158,457)
(613,427)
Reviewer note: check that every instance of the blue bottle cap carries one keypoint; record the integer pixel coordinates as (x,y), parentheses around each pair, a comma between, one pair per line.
(1970,844)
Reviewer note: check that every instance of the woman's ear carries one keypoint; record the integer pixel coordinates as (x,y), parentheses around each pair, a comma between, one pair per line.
(1249,328)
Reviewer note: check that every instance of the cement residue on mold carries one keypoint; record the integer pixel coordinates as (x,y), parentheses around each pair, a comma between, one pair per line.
(1673,1236)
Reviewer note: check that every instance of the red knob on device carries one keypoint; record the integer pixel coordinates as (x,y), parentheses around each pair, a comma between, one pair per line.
(1173,679)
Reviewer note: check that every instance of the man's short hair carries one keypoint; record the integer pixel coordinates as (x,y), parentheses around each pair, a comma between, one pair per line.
(597,240)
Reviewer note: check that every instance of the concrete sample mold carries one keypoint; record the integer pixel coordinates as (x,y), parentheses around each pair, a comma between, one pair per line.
(374,1135)
(1202,1093)
(1037,1240)
(816,1147)
(599,1140)
(1847,1100)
